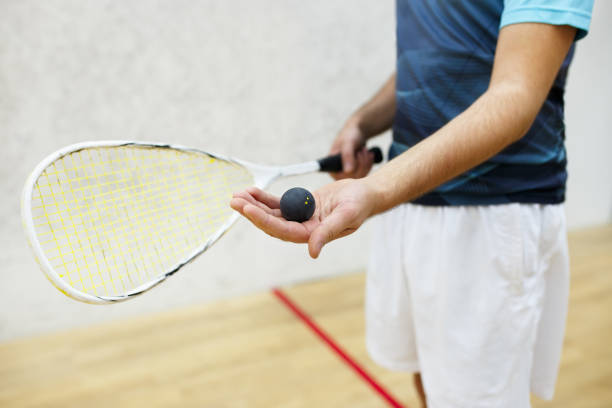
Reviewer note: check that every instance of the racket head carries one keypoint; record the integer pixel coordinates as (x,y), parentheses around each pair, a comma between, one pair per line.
(109,220)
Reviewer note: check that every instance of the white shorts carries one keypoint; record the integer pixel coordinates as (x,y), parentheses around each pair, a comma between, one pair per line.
(474,298)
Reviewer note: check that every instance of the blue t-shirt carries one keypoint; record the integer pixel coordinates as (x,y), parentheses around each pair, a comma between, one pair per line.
(445,51)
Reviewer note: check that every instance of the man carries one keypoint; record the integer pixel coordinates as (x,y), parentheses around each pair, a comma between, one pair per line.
(468,279)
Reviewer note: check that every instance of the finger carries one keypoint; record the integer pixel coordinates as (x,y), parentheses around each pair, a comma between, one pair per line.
(245,195)
(338,176)
(348,157)
(360,163)
(253,199)
(336,149)
(238,204)
(365,159)
(271,201)
(242,199)
(276,226)
(335,226)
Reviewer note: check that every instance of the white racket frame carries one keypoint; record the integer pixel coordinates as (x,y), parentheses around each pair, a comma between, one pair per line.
(263,176)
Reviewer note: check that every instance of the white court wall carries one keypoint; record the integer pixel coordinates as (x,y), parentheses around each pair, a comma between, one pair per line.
(265,81)
(589,124)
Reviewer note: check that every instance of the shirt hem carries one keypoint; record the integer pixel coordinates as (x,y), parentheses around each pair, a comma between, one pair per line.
(436,200)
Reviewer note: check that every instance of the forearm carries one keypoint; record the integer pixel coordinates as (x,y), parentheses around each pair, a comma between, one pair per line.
(499,117)
(376,115)
(522,77)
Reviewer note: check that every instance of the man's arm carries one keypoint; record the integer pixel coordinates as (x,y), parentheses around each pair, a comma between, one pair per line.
(527,60)
(371,119)
(377,114)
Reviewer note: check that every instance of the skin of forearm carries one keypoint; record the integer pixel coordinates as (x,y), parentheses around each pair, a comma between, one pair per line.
(376,115)
(501,116)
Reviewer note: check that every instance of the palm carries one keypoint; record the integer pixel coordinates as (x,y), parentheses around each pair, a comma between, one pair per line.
(341,207)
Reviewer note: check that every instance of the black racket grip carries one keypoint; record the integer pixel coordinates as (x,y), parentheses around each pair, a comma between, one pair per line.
(333,163)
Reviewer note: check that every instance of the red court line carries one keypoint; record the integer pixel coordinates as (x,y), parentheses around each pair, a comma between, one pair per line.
(367,377)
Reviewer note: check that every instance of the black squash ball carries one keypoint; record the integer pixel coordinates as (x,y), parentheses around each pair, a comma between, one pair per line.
(297,204)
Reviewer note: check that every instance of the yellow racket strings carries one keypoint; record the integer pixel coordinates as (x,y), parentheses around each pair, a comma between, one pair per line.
(111,219)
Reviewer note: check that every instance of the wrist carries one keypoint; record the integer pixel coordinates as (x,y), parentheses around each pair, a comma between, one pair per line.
(377,194)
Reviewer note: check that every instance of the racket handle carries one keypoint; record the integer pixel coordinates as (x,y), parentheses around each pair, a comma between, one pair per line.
(333,163)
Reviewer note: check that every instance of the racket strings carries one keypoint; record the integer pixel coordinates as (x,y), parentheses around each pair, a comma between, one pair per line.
(111,219)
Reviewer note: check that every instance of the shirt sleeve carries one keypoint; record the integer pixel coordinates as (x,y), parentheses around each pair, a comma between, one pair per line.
(575,13)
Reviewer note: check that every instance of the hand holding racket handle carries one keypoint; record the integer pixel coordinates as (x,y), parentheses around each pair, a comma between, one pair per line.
(333,163)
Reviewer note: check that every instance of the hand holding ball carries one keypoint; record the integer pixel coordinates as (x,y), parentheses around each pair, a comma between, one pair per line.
(297,204)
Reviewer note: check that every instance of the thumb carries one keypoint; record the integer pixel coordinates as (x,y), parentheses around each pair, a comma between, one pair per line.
(335,226)
(348,157)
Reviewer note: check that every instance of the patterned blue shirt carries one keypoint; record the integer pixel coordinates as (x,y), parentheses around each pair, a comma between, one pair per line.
(445,51)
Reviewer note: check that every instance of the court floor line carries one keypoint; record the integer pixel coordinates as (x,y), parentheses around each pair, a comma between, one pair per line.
(340,352)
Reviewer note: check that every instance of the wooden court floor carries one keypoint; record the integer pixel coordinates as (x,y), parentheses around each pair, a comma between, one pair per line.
(253,351)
